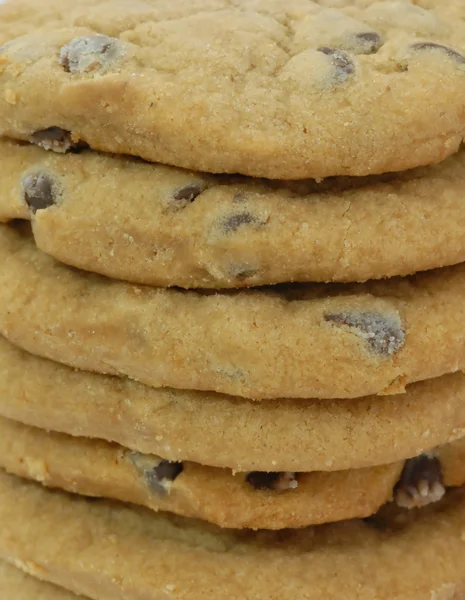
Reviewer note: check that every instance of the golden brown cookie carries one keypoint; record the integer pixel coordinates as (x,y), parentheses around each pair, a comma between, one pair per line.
(323,341)
(262,88)
(120,552)
(162,226)
(224,431)
(16,585)
(255,500)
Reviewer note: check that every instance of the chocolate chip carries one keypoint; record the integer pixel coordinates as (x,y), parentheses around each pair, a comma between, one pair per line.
(459,58)
(239,198)
(232,223)
(228,372)
(368,43)
(384,334)
(159,474)
(243,273)
(165,472)
(90,53)
(261,480)
(188,193)
(53,138)
(420,483)
(342,62)
(39,191)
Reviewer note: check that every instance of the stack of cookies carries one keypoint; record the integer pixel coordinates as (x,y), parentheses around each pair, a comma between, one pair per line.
(232,299)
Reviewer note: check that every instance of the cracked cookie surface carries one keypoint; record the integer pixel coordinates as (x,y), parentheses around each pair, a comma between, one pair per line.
(102,562)
(257,500)
(289,91)
(260,344)
(224,431)
(157,225)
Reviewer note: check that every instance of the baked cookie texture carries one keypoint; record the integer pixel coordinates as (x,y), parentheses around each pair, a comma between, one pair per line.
(225,431)
(255,500)
(287,91)
(276,408)
(161,226)
(122,552)
(17,585)
(259,344)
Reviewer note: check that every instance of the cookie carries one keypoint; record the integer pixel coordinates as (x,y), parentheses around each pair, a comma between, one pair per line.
(162,226)
(255,500)
(259,343)
(16,585)
(122,552)
(223,431)
(256,88)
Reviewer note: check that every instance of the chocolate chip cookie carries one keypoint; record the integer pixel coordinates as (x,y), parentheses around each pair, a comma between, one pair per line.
(124,552)
(262,88)
(254,500)
(162,226)
(224,431)
(320,341)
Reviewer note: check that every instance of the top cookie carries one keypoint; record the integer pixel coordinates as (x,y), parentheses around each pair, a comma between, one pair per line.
(266,88)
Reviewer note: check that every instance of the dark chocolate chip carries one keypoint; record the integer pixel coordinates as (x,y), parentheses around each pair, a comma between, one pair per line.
(158,473)
(232,223)
(279,482)
(459,58)
(369,42)
(239,198)
(53,138)
(243,274)
(421,468)
(39,191)
(228,372)
(261,480)
(383,334)
(420,483)
(188,193)
(90,53)
(342,62)
(164,472)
